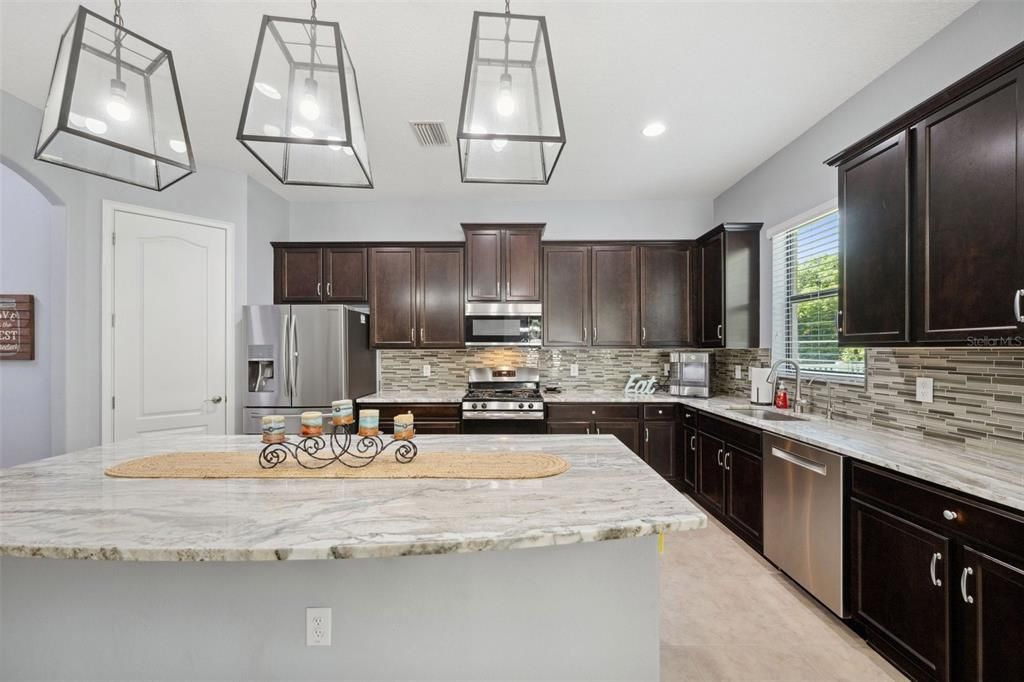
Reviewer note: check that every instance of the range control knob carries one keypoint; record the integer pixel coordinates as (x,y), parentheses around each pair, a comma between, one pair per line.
(474,406)
(520,406)
(483,406)
(530,406)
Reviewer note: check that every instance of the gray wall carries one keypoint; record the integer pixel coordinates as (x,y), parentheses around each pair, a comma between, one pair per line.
(795,180)
(439,220)
(267,222)
(32,262)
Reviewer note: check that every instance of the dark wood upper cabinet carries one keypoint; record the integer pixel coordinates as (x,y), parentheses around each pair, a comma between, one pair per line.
(969,201)
(503,263)
(995,611)
(298,275)
(345,272)
(522,264)
(874,246)
(729,288)
(665,309)
(613,277)
(393,297)
(566,295)
(441,297)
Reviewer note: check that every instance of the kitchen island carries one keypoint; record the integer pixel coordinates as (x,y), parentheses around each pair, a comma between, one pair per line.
(553,578)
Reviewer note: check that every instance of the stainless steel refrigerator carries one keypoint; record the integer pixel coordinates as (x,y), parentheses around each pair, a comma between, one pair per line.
(303,357)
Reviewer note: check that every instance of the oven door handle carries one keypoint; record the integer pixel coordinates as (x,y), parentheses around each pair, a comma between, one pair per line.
(516,416)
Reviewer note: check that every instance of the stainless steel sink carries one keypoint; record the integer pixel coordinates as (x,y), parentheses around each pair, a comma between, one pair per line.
(767,415)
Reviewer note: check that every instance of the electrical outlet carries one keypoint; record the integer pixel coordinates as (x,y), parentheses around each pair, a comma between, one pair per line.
(737,370)
(318,626)
(925,390)
(574,370)
(426,370)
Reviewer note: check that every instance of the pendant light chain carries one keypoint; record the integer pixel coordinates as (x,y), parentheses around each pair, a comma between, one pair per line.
(118,38)
(118,19)
(508,21)
(312,37)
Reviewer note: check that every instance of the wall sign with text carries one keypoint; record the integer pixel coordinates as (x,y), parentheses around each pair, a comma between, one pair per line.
(17,327)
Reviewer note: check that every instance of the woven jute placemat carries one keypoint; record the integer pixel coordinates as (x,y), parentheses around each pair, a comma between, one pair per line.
(492,465)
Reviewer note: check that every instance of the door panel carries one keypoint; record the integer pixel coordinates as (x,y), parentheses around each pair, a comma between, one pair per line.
(393,297)
(522,264)
(744,506)
(483,265)
(660,447)
(566,296)
(711,296)
(626,431)
(970,212)
(689,449)
(710,471)
(614,283)
(441,297)
(316,341)
(169,337)
(345,274)
(299,275)
(994,621)
(572,428)
(665,296)
(874,242)
(892,589)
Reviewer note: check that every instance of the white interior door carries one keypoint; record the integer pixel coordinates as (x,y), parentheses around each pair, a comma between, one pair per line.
(169,345)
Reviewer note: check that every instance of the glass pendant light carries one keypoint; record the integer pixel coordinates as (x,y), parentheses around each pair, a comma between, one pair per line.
(301,117)
(114,108)
(510,124)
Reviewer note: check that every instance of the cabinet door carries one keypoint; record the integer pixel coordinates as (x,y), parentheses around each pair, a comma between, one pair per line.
(626,431)
(441,297)
(438,428)
(991,597)
(393,297)
(744,507)
(689,458)
(969,237)
(660,447)
(613,274)
(345,273)
(893,592)
(874,243)
(298,275)
(566,295)
(522,264)
(711,296)
(711,471)
(483,265)
(665,296)
(571,428)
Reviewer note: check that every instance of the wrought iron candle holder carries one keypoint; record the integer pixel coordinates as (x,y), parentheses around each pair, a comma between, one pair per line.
(317,452)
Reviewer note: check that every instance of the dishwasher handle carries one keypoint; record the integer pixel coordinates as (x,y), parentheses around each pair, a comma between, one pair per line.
(803,462)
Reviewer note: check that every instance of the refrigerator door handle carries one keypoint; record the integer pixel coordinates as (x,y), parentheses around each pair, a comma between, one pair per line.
(286,353)
(293,361)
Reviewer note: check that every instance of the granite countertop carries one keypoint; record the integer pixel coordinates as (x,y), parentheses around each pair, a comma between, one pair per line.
(65,507)
(425,396)
(583,396)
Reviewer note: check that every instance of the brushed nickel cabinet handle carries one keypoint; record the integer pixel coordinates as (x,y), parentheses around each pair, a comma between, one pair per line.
(1016,305)
(719,456)
(693,443)
(935,581)
(588,430)
(595,334)
(949,515)
(598,430)
(643,334)
(422,336)
(412,334)
(727,461)
(584,333)
(963,585)
(647,435)
(719,331)
(328,289)
(319,287)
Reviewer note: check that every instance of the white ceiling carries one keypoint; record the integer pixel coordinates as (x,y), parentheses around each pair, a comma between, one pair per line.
(734,81)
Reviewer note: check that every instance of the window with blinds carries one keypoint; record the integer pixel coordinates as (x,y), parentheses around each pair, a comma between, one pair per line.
(805,297)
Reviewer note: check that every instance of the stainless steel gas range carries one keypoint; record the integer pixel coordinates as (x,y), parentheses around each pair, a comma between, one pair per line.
(503,400)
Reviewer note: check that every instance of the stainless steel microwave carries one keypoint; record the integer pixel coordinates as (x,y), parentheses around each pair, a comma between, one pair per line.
(690,374)
(503,324)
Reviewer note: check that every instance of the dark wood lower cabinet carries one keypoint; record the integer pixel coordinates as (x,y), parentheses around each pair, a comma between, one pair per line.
(689,464)
(893,592)
(569,428)
(626,431)
(744,506)
(991,598)
(438,428)
(711,472)
(660,447)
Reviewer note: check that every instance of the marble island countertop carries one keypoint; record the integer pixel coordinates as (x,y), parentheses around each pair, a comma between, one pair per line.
(65,507)
(424,396)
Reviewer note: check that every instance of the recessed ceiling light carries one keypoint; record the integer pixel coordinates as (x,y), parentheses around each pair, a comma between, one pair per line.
(177,146)
(654,129)
(268,90)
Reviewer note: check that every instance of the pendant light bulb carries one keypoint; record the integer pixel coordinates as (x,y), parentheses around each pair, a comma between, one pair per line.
(117,105)
(506,104)
(308,106)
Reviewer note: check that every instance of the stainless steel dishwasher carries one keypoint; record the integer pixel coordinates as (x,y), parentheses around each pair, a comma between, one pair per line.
(803,517)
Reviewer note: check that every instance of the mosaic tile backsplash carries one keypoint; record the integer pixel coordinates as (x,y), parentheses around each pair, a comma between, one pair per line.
(979,393)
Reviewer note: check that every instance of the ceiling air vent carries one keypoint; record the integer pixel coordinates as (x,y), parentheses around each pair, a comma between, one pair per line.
(430,133)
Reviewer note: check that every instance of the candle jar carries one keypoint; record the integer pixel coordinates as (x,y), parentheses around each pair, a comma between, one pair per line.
(312,424)
(341,412)
(273,428)
(404,427)
(369,422)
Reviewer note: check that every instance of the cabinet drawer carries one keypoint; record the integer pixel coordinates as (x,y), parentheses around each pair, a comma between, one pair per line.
(660,411)
(591,411)
(736,434)
(975,520)
(420,411)
(688,415)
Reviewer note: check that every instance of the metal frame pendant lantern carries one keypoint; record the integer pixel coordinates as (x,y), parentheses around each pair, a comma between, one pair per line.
(510,123)
(302,118)
(114,108)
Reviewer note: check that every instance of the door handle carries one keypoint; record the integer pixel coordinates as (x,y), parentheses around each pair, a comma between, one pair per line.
(328,290)
(294,360)
(598,430)
(935,581)
(216,400)
(693,443)
(647,435)
(319,287)
(839,321)
(286,355)
(727,461)
(719,456)
(1016,305)
(422,337)
(595,334)
(949,515)
(412,334)
(810,465)
(719,331)
(588,430)
(584,333)
(963,585)
(643,334)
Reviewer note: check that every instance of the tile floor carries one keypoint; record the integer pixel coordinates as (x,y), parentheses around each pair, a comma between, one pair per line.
(727,614)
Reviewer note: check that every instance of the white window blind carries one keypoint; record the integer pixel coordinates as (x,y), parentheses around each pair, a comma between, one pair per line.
(805,297)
